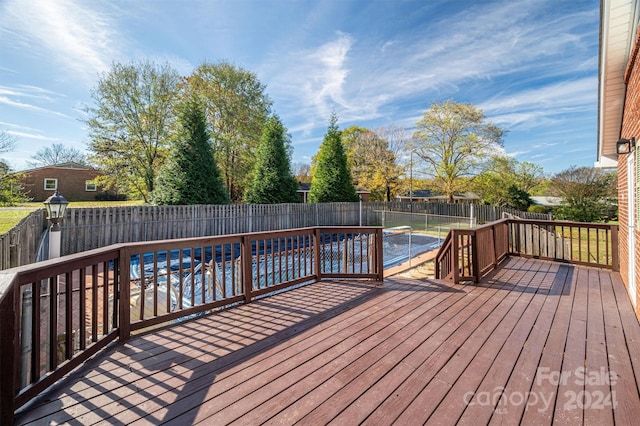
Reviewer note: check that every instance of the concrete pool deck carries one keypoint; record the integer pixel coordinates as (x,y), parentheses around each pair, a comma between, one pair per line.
(411,263)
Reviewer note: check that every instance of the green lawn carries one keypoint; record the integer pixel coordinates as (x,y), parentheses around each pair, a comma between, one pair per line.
(10,217)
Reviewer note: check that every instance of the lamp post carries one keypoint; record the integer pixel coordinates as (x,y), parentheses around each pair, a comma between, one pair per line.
(56,206)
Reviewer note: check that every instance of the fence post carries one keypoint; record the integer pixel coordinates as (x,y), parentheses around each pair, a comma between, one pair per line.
(8,356)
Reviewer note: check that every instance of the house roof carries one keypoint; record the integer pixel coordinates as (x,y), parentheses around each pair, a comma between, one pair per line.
(427,193)
(618,26)
(547,201)
(306,187)
(67,166)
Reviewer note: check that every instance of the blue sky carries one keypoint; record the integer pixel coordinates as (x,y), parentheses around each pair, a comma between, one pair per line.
(530,65)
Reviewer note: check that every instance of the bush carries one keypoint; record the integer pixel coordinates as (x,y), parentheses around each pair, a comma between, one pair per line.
(537,209)
(110,196)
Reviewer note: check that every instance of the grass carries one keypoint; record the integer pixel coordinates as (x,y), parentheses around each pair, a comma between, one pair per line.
(10,217)
(87,204)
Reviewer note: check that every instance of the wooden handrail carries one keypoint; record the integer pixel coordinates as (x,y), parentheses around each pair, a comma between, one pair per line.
(99,285)
(592,244)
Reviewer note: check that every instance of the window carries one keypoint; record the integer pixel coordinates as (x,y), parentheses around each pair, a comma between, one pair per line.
(90,185)
(50,184)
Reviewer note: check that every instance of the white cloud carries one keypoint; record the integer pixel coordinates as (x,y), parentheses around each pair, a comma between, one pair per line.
(32,136)
(543,106)
(78,38)
(17,104)
(503,40)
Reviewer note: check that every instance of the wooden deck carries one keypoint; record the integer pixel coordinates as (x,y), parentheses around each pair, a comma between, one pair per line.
(512,349)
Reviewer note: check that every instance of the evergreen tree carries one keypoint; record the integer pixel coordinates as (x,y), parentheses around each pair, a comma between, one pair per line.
(190,174)
(331,180)
(272,181)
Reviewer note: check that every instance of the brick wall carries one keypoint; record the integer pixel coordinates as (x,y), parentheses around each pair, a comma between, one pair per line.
(630,128)
(71,183)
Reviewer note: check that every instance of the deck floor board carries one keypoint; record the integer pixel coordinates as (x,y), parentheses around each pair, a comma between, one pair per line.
(405,352)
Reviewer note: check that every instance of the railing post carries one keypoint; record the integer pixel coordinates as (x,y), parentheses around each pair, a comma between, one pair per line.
(247,268)
(615,260)
(379,255)
(475,269)
(9,355)
(124,293)
(316,254)
(455,256)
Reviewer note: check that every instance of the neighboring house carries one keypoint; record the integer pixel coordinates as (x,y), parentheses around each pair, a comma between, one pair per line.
(74,181)
(619,126)
(426,195)
(547,201)
(304,188)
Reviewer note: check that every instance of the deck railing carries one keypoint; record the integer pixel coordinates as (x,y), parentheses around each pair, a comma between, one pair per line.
(54,315)
(469,254)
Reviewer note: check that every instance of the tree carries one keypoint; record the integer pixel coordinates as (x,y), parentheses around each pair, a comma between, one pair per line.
(586,193)
(190,174)
(272,181)
(454,140)
(331,180)
(57,154)
(302,172)
(130,124)
(518,198)
(504,177)
(237,109)
(373,159)
(11,191)
(7,141)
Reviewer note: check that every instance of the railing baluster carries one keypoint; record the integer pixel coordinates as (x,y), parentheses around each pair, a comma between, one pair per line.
(83,309)
(155,283)
(68,316)
(35,331)
(53,323)
(94,303)
(167,254)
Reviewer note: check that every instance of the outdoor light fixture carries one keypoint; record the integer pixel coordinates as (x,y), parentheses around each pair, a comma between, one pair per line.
(625,146)
(56,206)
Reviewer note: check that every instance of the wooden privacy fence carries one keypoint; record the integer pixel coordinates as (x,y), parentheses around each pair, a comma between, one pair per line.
(90,228)
(19,245)
(54,315)
(469,254)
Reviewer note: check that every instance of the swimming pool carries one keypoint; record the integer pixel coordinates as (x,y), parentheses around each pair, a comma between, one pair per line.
(398,247)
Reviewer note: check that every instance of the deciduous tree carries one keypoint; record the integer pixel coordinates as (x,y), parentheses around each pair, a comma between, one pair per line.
(237,109)
(331,180)
(302,172)
(130,124)
(373,158)
(454,140)
(57,154)
(272,181)
(504,177)
(7,141)
(586,193)
(11,191)
(190,174)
